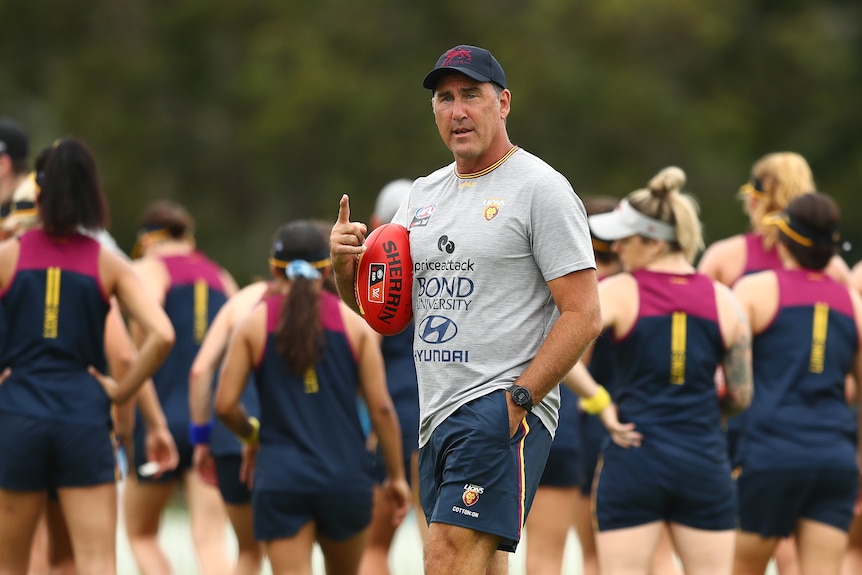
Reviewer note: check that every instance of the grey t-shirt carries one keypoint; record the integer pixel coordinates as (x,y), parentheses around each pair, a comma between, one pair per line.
(484,247)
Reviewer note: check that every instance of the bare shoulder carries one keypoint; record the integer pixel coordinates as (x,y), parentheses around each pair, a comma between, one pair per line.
(732,245)
(253,322)
(619,301)
(147,266)
(358,331)
(9,250)
(727,302)
(756,285)
(247,297)
(724,259)
(856,277)
(352,320)
(622,284)
(856,299)
(114,264)
(154,275)
(230,285)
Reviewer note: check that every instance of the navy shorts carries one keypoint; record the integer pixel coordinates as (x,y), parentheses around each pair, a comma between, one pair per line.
(772,502)
(474,475)
(593,438)
(233,491)
(409,445)
(337,516)
(642,485)
(40,454)
(563,469)
(180,433)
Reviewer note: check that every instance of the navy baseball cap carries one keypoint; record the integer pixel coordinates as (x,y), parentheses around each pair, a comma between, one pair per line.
(13,139)
(472,61)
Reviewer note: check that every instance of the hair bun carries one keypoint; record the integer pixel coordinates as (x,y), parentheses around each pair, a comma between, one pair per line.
(667,181)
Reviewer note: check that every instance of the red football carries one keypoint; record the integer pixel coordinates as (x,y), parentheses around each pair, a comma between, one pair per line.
(384,280)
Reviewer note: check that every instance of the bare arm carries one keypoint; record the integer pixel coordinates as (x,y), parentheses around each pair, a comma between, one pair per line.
(229,284)
(856,368)
(206,361)
(384,420)
(737,367)
(238,362)
(736,363)
(213,348)
(120,353)
(381,410)
(724,260)
(345,244)
(591,393)
(156,329)
(579,324)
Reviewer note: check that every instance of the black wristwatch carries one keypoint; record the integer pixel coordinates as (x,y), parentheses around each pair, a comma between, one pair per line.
(522,397)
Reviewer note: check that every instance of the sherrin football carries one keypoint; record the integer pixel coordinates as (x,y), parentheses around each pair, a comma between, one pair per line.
(384,280)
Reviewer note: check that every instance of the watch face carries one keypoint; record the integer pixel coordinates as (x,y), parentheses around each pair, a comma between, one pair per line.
(521,396)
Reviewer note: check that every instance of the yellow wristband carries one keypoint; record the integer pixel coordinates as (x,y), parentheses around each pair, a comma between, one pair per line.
(597,403)
(254,437)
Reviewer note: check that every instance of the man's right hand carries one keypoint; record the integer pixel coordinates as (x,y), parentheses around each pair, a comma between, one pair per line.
(345,244)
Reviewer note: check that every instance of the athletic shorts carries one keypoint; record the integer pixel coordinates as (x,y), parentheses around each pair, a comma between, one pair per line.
(641,485)
(772,502)
(409,441)
(40,454)
(337,516)
(473,474)
(180,433)
(563,469)
(593,438)
(233,491)
(735,426)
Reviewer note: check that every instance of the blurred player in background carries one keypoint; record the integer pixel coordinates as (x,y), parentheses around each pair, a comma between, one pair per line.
(403,388)
(797,452)
(14,163)
(310,356)
(775,180)
(602,363)
(217,451)
(191,288)
(55,415)
(671,326)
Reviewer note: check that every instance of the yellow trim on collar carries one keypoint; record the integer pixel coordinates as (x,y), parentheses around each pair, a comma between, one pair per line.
(490,168)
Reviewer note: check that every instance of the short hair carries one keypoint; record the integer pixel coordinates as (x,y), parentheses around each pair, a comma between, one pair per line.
(169,216)
(71,195)
(664,200)
(819,216)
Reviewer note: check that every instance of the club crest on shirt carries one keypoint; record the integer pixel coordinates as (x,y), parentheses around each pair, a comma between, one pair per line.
(471,494)
(491,207)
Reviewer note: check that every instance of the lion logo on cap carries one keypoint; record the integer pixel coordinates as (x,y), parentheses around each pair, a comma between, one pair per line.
(457,56)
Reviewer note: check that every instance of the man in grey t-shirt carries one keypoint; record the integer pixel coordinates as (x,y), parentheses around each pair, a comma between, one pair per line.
(504,302)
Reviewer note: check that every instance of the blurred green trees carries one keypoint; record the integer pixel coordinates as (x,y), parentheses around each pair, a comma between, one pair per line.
(254,113)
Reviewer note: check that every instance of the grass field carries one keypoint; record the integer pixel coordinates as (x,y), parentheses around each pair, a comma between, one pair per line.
(405,558)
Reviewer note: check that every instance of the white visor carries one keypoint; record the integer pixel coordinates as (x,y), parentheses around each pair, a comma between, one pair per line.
(626,221)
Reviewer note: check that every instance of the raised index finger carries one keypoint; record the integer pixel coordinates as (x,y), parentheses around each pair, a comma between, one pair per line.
(344,210)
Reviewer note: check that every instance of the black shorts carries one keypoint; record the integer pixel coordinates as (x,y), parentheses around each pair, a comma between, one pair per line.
(337,516)
(772,502)
(233,491)
(40,454)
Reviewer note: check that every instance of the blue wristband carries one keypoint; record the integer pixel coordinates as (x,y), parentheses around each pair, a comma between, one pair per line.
(200,434)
